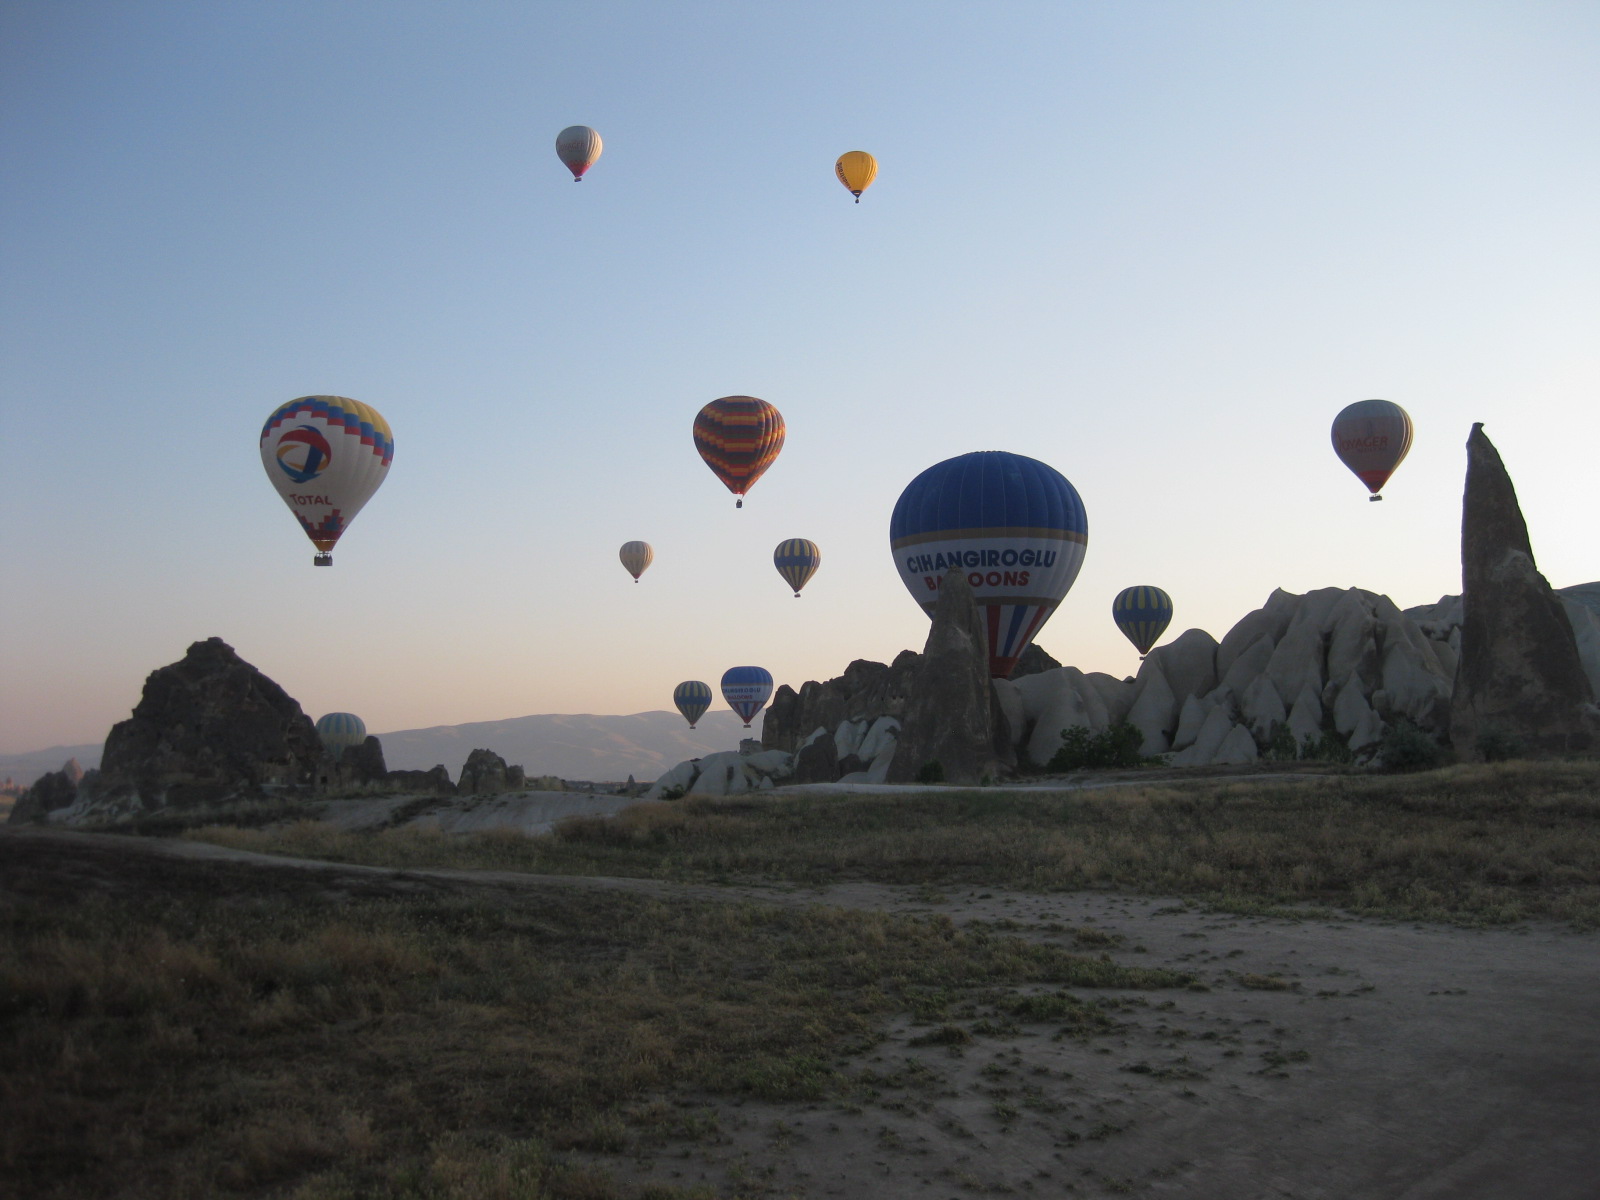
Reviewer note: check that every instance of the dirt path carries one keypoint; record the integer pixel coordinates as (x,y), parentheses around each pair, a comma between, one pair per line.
(1329,1059)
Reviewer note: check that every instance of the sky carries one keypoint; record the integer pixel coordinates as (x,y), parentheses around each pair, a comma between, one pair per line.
(1155,245)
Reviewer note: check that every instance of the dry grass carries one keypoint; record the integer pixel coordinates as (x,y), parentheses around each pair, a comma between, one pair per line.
(182,1029)
(1472,845)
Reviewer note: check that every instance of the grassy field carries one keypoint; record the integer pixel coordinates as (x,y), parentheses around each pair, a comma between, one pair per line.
(184,1029)
(173,1027)
(1471,845)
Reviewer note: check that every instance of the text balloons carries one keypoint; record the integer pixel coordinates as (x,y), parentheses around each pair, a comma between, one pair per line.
(739,437)
(1014,524)
(1143,614)
(746,689)
(578,147)
(797,561)
(856,169)
(1371,437)
(326,455)
(692,698)
(636,556)
(340,731)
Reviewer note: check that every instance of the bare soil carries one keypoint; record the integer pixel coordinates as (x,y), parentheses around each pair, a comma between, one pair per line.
(1326,1058)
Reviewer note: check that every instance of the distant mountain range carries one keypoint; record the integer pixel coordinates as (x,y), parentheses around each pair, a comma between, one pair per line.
(600,748)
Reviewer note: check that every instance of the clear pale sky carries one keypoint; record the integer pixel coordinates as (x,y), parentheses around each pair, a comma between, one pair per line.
(1156,245)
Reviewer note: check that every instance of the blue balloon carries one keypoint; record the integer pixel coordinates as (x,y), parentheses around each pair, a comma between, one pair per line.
(692,698)
(1143,614)
(1015,525)
(747,690)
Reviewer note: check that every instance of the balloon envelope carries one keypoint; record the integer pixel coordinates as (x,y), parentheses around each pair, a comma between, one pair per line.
(746,689)
(579,147)
(856,169)
(340,731)
(636,556)
(1371,437)
(797,561)
(326,455)
(692,698)
(739,437)
(1143,614)
(1014,524)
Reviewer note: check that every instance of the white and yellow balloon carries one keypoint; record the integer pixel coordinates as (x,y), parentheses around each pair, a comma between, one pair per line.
(326,456)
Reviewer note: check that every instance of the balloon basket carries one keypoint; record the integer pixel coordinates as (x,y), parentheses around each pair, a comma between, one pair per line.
(324,558)
(738,503)
(1373,499)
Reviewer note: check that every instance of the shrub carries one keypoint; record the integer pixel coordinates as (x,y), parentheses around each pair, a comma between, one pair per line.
(1282,747)
(1497,746)
(1404,747)
(1329,747)
(676,792)
(931,772)
(1118,746)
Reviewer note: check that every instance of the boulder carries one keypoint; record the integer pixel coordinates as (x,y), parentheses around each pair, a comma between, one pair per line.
(883,734)
(847,738)
(948,717)
(1519,675)
(720,774)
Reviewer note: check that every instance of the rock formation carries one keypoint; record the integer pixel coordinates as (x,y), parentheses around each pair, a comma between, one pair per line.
(207,727)
(1519,679)
(866,691)
(50,792)
(485,773)
(949,716)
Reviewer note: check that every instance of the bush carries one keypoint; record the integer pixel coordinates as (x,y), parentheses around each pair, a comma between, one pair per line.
(1496,746)
(676,792)
(1282,747)
(1118,746)
(1404,747)
(931,772)
(1329,747)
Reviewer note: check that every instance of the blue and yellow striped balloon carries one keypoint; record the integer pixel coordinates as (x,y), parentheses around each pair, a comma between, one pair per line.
(692,698)
(1143,614)
(340,731)
(797,560)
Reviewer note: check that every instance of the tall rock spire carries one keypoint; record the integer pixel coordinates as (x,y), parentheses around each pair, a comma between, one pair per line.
(1519,679)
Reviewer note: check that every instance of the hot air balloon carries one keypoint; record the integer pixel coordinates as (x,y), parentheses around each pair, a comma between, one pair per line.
(636,556)
(797,560)
(738,436)
(326,455)
(579,147)
(1143,614)
(692,698)
(1371,437)
(856,169)
(1015,525)
(746,689)
(340,731)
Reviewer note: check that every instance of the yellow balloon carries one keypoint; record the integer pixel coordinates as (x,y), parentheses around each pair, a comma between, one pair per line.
(856,169)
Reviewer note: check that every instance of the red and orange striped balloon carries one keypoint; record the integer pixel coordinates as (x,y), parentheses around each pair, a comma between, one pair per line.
(739,437)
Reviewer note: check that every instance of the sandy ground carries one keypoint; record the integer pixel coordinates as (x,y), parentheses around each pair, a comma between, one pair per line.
(1400,1061)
